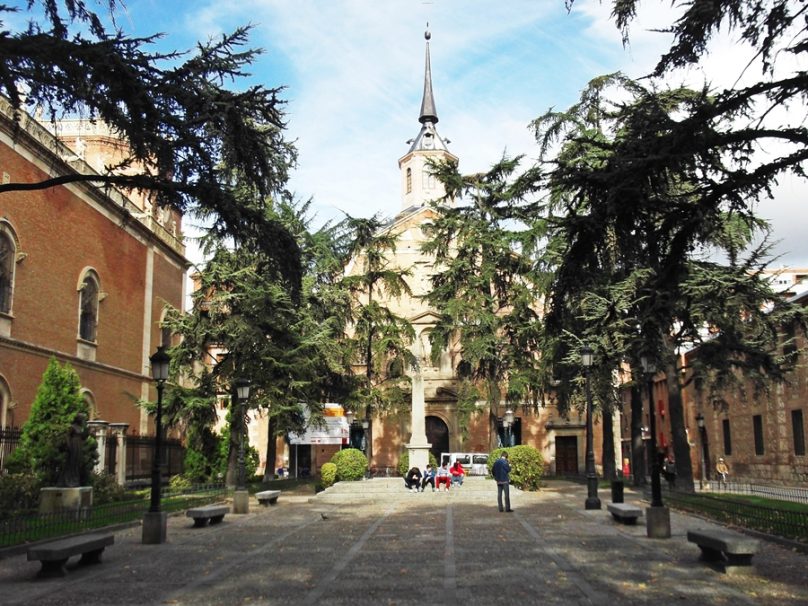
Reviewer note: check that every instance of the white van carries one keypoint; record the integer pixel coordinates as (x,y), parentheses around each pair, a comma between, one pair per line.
(475,463)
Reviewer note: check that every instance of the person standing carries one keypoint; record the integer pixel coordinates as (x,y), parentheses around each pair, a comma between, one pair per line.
(722,470)
(502,474)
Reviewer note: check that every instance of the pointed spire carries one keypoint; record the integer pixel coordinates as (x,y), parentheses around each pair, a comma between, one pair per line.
(428,112)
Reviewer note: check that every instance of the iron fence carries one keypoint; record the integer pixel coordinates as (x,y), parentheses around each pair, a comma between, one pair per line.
(784,493)
(9,440)
(788,523)
(140,453)
(34,526)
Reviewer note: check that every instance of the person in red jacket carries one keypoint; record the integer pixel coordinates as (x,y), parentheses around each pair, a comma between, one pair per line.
(457,472)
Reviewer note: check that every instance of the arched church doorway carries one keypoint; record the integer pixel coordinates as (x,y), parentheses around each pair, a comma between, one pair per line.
(437,434)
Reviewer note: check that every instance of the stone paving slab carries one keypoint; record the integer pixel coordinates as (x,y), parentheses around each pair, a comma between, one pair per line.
(409,551)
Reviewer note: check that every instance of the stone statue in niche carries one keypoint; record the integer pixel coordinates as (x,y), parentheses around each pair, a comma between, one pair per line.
(71,474)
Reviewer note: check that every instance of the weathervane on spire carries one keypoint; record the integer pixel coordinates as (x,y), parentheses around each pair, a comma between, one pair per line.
(427,35)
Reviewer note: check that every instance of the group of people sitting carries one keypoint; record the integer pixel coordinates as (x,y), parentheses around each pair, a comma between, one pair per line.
(444,475)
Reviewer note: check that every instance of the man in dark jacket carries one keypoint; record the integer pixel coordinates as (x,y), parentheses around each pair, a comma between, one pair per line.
(413,479)
(501,472)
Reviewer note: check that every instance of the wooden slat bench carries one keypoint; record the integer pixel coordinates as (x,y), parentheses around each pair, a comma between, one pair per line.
(54,554)
(624,512)
(268,497)
(209,513)
(729,549)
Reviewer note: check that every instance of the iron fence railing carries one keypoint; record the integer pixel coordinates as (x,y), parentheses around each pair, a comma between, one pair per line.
(34,526)
(791,524)
(140,453)
(784,493)
(9,440)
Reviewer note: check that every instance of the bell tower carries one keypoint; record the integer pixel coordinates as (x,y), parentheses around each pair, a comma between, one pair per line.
(418,186)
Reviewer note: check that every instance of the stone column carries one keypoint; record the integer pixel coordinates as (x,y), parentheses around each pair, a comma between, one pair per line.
(418,447)
(98,429)
(119,431)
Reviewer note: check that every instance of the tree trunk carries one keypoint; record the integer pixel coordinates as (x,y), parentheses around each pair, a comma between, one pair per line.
(681,446)
(607,457)
(232,455)
(637,445)
(272,447)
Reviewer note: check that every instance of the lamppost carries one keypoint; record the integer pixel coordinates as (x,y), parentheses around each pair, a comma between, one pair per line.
(592,500)
(507,421)
(656,487)
(366,437)
(350,415)
(241,498)
(154,521)
(705,449)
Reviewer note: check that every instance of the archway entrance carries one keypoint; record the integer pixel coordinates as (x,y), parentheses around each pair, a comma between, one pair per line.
(437,434)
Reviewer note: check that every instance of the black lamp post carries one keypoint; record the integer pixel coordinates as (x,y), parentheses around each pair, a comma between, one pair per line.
(656,487)
(592,500)
(508,422)
(350,415)
(243,394)
(154,522)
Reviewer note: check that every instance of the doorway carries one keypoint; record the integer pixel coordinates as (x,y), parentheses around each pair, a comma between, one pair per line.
(566,448)
(437,434)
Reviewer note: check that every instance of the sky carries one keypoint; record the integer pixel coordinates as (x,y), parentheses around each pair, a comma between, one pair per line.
(353,72)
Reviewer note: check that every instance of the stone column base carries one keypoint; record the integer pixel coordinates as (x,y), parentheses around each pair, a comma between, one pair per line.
(241,501)
(658,522)
(154,527)
(419,455)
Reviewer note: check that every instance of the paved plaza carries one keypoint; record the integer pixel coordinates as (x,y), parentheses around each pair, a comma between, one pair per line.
(425,548)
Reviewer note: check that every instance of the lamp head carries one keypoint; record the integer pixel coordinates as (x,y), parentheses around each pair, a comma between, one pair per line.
(587,356)
(242,388)
(648,365)
(160,361)
(700,420)
(508,418)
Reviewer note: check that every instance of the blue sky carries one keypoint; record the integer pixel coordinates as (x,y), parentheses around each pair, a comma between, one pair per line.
(354,74)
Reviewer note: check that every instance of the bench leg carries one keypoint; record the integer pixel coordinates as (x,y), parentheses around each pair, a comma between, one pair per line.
(734,559)
(216,519)
(52,568)
(91,557)
(632,521)
(710,555)
(273,501)
(200,522)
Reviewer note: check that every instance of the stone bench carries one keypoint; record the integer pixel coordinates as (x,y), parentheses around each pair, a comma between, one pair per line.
(268,497)
(54,554)
(209,513)
(624,512)
(724,547)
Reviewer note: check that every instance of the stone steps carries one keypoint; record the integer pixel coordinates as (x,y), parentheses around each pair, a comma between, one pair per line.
(376,490)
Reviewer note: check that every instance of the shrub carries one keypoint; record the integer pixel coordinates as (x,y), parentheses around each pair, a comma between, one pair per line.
(404,462)
(196,468)
(351,464)
(43,447)
(106,489)
(527,465)
(180,482)
(19,493)
(328,474)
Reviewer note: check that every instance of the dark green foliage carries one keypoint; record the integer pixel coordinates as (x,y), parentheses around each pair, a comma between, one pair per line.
(404,462)
(19,493)
(351,464)
(186,130)
(107,490)
(196,467)
(43,444)
(328,474)
(527,465)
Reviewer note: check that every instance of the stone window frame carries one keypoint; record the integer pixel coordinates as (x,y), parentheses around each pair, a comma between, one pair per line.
(9,235)
(89,273)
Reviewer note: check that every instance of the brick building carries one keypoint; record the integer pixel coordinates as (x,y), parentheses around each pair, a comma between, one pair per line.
(85,273)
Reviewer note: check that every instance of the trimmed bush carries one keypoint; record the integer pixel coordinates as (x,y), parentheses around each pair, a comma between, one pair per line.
(19,493)
(351,464)
(328,474)
(106,489)
(195,466)
(180,482)
(527,465)
(404,463)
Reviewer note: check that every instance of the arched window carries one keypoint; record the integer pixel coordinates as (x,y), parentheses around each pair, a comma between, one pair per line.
(8,255)
(88,307)
(395,368)
(165,332)
(409,180)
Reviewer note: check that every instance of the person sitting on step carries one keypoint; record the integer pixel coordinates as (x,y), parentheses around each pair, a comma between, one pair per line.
(457,472)
(443,477)
(429,478)
(413,479)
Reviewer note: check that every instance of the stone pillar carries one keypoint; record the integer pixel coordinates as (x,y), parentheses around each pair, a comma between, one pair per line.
(119,432)
(418,447)
(98,429)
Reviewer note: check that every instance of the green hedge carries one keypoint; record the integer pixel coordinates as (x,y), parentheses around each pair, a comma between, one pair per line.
(351,464)
(404,462)
(328,474)
(527,465)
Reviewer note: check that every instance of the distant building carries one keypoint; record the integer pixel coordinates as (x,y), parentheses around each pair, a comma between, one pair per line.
(85,273)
